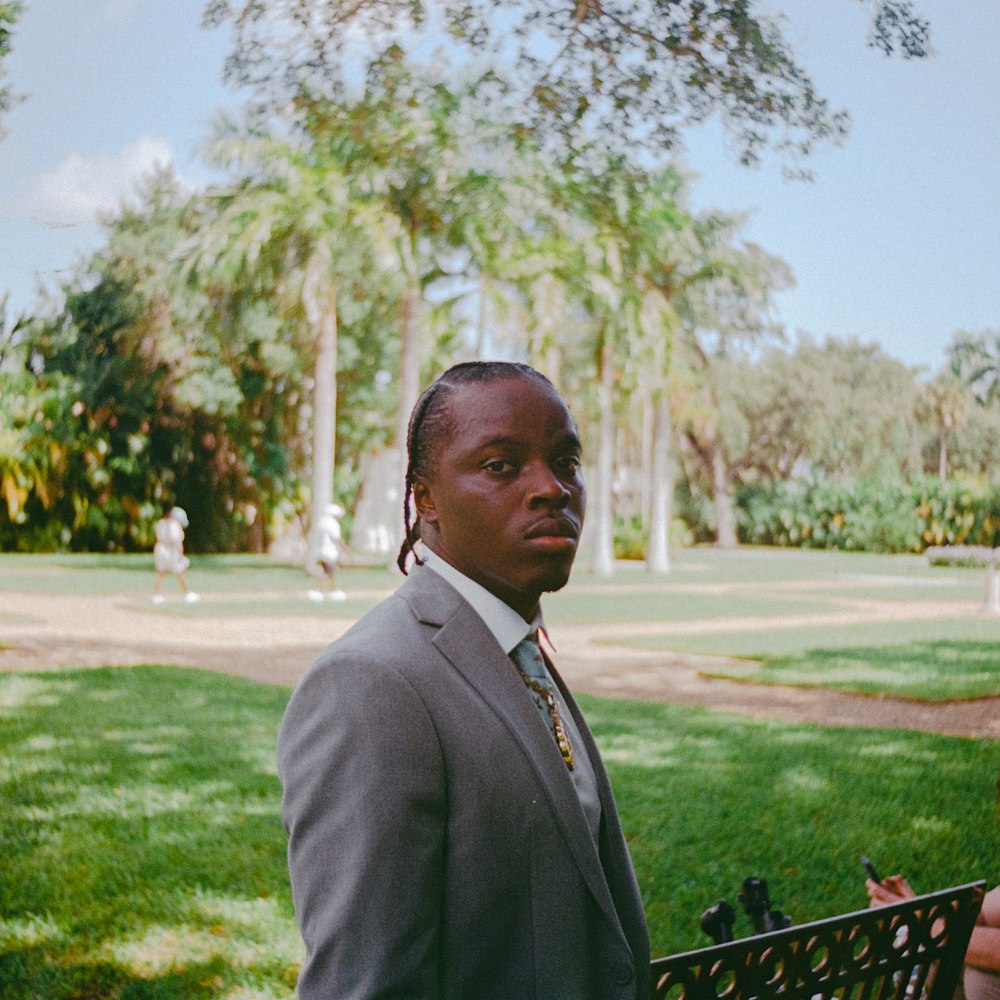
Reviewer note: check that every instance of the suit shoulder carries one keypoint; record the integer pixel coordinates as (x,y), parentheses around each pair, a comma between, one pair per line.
(387,639)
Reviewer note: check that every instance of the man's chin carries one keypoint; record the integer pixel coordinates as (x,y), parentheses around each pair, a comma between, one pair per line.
(554,579)
(524,595)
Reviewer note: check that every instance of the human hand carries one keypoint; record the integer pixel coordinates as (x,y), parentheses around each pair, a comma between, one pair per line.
(891,889)
(989,915)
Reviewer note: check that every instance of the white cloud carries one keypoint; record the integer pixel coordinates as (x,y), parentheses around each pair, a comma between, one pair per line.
(81,187)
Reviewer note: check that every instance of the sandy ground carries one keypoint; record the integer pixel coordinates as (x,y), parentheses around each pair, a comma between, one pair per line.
(44,631)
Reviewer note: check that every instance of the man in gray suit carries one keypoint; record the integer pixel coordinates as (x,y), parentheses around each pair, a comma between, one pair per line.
(452,832)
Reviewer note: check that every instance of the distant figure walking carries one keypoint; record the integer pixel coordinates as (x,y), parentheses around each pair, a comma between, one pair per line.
(327,555)
(168,553)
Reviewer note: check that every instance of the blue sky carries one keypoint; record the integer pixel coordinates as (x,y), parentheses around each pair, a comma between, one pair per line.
(896,241)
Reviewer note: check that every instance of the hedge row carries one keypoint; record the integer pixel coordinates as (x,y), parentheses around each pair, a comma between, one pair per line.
(870,515)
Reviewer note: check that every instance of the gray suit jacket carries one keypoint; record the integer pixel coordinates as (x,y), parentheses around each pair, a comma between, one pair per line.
(437,847)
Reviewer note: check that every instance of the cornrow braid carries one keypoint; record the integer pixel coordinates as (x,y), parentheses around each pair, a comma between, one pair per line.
(430,423)
(411,532)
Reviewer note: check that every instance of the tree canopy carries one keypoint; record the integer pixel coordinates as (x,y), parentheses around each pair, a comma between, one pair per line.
(631,76)
(10,11)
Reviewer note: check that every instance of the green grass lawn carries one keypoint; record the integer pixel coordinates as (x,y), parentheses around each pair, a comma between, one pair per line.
(933,670)
(144,854)
(927,658)
(709,798)
(132,575)
(934,660)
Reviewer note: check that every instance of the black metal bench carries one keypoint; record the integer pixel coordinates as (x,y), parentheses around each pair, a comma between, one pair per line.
(911,950)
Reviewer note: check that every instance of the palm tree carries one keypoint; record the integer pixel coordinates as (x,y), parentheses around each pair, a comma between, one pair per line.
(606,259)
(11,328)
(644,254)
(947,404)
(406,144)
(727,313)
(673,254)
(975,358)
(294,227)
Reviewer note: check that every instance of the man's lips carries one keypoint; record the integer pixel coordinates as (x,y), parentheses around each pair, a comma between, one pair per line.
(560,527)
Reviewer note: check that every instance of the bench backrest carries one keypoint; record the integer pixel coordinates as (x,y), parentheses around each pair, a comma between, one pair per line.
(911,950)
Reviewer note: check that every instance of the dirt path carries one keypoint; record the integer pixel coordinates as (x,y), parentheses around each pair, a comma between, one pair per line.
(50,631)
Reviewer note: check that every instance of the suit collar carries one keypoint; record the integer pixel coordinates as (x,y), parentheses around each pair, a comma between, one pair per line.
(432,599)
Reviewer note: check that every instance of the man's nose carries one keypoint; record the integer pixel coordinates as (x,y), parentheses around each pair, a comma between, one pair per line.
(546,487)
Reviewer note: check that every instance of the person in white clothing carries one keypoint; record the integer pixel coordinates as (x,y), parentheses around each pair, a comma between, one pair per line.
(168,553)
(327,555)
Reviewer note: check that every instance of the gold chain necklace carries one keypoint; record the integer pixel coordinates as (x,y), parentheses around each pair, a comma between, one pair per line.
(562,738)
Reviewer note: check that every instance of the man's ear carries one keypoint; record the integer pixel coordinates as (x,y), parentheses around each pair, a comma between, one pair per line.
(423,502)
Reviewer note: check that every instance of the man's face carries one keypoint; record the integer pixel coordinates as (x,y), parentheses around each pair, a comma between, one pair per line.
(505,501)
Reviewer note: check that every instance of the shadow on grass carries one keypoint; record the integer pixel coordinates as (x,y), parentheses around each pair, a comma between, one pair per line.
(143,849)
(24,973)
(934,670)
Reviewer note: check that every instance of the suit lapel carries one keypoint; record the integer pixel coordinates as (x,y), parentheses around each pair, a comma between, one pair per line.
(472,650)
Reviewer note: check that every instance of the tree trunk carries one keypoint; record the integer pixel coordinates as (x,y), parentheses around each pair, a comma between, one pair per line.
(324,419)
(604,546)
(409,380)
(481,316)
(409,368)
(943,457)
(647,460)
(661,491)
(553,363)
(725,516)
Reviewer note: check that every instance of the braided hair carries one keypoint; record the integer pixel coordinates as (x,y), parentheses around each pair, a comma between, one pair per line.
(431,422)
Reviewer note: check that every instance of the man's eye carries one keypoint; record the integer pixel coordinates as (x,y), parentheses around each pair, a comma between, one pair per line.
(570,464)
(498,466)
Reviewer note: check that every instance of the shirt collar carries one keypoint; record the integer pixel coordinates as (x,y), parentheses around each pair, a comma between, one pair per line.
(507,626)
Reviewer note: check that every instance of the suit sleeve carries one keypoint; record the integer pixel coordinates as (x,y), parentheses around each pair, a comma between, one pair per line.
(364,805)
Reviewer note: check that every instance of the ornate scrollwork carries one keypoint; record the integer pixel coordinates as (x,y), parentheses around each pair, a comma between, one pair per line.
(907,951)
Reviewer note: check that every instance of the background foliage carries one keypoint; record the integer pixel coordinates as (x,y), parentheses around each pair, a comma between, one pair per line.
(381,215)
(873,515)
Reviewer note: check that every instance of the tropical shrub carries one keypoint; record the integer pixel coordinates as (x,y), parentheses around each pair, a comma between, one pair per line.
(871,515)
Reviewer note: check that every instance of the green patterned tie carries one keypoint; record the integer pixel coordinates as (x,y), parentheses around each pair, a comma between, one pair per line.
(528,658)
